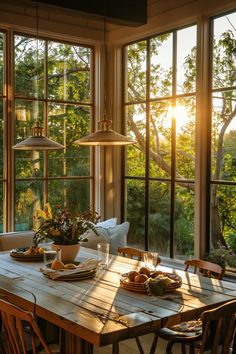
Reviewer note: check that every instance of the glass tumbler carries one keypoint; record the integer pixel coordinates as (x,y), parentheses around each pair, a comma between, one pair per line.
(103,253)
(50,255)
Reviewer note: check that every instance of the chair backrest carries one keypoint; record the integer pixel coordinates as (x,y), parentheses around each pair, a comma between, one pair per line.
(14,321)
(131,252)
(208,268)
(218,328)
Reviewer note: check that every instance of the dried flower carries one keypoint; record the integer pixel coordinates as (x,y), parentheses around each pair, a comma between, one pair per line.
(62,226)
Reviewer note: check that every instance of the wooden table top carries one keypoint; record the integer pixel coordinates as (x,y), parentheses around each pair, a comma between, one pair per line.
(98,310)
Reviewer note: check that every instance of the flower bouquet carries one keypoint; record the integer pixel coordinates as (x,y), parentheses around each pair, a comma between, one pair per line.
(62,226)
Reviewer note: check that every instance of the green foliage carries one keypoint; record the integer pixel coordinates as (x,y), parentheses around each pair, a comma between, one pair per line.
(222,256)
(231,241)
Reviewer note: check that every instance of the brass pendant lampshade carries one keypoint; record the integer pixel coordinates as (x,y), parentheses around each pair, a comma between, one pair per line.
(105,135)
(37,141)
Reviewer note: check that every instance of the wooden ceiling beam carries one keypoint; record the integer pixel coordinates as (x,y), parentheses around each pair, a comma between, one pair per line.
(124,12)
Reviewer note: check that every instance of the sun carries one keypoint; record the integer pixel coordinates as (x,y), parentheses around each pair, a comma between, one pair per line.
(180,115)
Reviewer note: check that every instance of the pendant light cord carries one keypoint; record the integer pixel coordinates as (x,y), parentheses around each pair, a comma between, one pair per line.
(105,60)
(37,62)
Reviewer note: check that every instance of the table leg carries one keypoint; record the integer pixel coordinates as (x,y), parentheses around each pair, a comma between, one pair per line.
(71,344)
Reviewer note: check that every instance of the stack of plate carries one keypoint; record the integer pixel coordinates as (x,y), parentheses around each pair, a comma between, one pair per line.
(21,255)
(132,286)
(69,274)
(80,275)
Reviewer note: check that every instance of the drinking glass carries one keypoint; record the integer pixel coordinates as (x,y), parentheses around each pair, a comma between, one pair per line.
(50,255)
(151,260)
(103,253)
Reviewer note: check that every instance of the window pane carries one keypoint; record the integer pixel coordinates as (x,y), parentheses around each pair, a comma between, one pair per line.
(1,138)
(68,123)
(136,118)
(1,207)
(223,142)
(69,72)
(70,193)
(224,63)
(28,198)
(26,113)
(28,163)
(161,65)
(223,216)
(186,60)
(185,138)
(159,218)
(29,66)
(1,63)
(160,139)
(136,212)
(224,136)
(184,221)
(136,72)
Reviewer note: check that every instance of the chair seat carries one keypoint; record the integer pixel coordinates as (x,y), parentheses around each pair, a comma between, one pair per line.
(187,328)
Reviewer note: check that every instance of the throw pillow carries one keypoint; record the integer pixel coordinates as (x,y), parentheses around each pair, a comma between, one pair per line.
(107,223)
(93,239)
(116,236)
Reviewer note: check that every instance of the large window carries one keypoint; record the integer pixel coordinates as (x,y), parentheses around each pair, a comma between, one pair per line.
(52,82)
(160,106)
(223,133)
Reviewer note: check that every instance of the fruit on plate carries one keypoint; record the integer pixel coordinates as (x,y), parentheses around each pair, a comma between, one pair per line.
(34,251)
(132,274)
(145,270)
(140,278)
(70,266)
(56,265)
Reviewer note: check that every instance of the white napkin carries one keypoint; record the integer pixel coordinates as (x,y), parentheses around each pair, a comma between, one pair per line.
(88,264)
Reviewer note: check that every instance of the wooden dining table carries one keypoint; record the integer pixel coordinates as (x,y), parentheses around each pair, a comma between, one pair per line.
(98,311)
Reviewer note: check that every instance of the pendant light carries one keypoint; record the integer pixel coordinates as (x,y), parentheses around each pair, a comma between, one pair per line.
(37,141)
(105,135)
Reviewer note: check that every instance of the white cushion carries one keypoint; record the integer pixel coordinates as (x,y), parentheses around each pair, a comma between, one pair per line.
(116,236)
(12,240)
(107,223)
(93,239)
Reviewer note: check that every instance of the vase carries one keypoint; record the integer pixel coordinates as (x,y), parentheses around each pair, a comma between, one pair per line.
(68,252)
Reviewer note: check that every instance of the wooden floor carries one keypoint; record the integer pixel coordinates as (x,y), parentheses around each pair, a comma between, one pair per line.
(130,347)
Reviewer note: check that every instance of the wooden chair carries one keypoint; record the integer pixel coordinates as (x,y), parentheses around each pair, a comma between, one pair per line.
(16,340)
(131,252)
(208,269)
(218,326)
